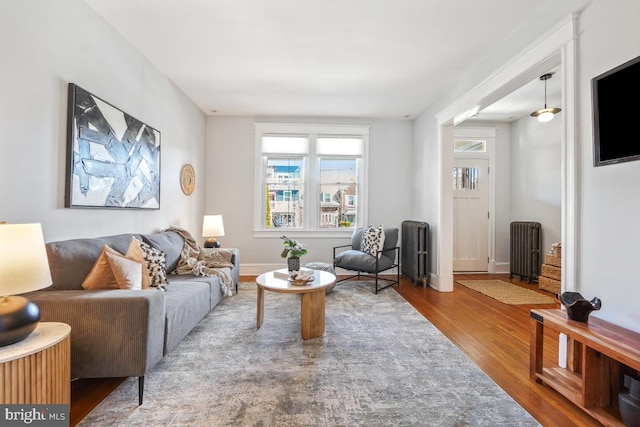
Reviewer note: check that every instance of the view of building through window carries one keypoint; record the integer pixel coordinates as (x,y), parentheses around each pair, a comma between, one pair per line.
(311,181)
(338,181)
(285,191)
(465,178)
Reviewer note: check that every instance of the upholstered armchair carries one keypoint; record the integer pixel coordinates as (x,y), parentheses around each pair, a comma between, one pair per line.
(359,256)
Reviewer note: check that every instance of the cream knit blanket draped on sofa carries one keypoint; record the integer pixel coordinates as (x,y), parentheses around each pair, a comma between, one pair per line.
(195,260)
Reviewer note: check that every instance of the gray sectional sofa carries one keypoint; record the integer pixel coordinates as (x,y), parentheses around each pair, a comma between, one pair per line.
(119,332)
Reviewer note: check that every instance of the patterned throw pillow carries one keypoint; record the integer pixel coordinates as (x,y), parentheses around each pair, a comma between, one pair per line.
(156,265)
(372,240)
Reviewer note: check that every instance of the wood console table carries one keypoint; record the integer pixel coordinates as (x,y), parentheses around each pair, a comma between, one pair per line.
(598,354)
(37,369)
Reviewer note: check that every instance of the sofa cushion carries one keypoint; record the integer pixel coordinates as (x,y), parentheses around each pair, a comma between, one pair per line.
(362,261)
(169,242)
(186,303)
(71,260)
(356,239)
(390,242)
(216,292)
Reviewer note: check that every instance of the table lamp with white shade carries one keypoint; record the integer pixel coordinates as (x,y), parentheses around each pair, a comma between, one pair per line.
(212,227)
(24,267)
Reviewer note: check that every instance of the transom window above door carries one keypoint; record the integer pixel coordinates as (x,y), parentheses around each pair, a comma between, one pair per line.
(470,146)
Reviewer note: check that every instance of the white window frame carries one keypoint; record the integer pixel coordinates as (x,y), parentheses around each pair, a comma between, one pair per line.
(312,214)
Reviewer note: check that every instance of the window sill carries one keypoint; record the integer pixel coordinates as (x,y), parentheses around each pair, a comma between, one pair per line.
(313,234)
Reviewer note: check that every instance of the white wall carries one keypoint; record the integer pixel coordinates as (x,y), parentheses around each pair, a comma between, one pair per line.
(426,183)
(231,177)
(609,232)
(536,176)
(504,193)
(47,44)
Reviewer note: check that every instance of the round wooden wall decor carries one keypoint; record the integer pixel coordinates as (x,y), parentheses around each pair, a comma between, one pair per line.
(187,179)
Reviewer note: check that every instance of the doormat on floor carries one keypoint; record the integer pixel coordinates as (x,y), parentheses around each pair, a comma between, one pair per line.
(506,292)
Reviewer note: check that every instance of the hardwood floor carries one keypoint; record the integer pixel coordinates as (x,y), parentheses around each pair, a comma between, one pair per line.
(86,394)
(494,335)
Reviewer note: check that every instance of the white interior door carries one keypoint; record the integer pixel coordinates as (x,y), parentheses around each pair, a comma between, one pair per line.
(471,214)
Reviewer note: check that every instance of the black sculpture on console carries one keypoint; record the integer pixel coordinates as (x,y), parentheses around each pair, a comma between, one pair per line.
(579,308)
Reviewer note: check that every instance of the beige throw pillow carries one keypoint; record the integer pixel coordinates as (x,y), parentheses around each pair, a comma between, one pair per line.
(113,271)
(135,253)
(128,273)
(101,276)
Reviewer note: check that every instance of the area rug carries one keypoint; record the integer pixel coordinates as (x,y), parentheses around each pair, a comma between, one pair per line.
(378,363)
(506,292)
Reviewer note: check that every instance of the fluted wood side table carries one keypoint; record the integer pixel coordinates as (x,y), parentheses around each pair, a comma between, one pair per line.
(37,370)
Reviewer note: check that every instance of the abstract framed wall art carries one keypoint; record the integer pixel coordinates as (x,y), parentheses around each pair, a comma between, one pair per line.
(113,159)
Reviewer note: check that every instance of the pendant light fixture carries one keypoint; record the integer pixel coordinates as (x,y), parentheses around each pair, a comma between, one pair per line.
(546,114)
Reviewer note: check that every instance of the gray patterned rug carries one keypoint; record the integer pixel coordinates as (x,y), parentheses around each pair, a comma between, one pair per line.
(379,363)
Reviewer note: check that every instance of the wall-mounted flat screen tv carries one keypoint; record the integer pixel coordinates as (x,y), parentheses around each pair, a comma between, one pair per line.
(616,113)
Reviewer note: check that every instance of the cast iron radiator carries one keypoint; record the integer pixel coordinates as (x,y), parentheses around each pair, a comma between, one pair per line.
(525,250)
(414,251)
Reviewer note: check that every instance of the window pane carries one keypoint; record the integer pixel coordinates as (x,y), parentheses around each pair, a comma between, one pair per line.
(284,202)
(338,179)
(278,144)
(340,146)
(470,145)
(465,178)
(325,162)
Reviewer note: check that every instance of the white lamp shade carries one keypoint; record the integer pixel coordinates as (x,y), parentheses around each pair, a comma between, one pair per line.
(547,116)
(24,266)
(212,226)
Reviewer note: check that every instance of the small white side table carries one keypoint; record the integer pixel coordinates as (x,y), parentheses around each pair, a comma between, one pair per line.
(37,370)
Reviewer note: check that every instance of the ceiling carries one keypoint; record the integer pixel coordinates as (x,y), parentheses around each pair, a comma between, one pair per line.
(525,100)
(349,58)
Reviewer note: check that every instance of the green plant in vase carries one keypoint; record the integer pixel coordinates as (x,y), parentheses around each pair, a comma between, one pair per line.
(293,250)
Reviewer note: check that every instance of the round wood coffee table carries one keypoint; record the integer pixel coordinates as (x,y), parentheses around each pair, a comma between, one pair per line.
(311,297)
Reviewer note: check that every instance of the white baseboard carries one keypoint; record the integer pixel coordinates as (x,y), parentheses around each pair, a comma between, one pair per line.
(434,280)
(258,269)
(503,267)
